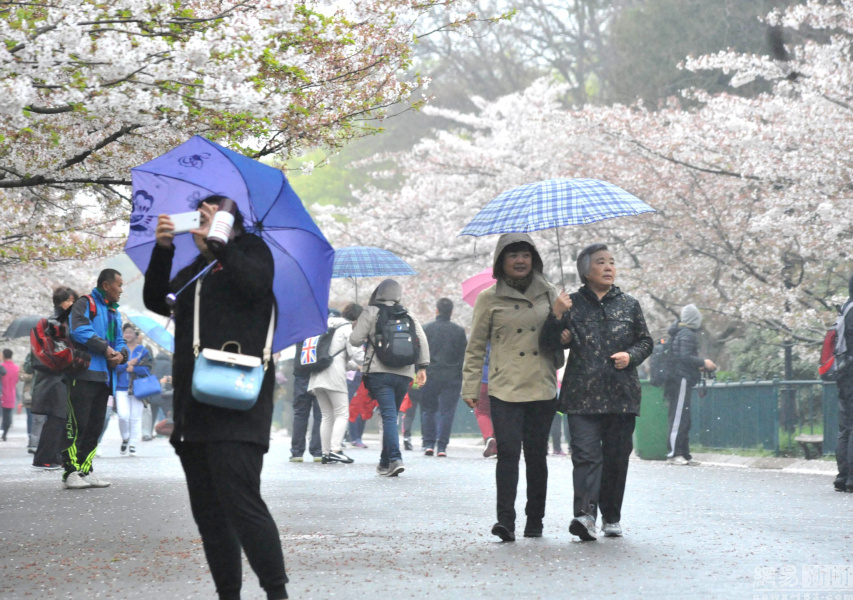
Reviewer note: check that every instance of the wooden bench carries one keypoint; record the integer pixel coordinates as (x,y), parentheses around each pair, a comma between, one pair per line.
(808,441)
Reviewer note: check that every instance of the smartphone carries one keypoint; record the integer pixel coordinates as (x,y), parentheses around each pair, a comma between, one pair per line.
(184,222)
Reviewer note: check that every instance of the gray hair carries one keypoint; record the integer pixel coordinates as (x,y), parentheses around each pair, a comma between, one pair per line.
(585,259)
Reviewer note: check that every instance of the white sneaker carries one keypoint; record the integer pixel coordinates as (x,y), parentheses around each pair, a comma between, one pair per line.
(76,481)
(678,461)
(132,450)
(94,482)
(611,529)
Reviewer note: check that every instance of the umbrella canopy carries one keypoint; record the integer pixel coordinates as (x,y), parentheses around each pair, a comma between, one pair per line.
(176,181)
(554,203)
(155,331)
(368,261)
(21,327)
(475,284)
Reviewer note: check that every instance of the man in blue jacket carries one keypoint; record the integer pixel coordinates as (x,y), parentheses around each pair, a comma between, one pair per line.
(95,326)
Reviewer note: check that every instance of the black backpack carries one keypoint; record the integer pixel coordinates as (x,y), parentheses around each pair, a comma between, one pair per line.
(312,355)
(397,343)
(661,363)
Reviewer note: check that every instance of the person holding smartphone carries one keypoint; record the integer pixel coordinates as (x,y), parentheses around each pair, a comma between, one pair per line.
(222,450)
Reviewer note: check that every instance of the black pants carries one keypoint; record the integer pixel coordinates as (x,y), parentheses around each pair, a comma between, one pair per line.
(50,441)
(522,425)
(7,421)
(677,393)
(224,483)
(844,447)
(87,407)
(304,405)
(601,446)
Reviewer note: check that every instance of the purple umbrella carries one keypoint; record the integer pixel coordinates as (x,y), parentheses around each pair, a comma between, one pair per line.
(176,181)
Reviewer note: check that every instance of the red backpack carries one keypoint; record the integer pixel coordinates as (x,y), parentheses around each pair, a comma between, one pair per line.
(830,368)
(53,349)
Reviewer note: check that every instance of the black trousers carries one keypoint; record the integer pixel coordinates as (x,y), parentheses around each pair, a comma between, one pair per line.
(50,441)
(224,483)
(304,406)
(7,421)
(677,393)
(87,407)
(844,447)
(601,447)
(522,425)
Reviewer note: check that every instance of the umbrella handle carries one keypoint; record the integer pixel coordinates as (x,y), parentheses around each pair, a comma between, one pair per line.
(172,299)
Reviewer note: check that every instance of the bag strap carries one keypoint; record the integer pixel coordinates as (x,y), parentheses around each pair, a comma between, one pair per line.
(197,339)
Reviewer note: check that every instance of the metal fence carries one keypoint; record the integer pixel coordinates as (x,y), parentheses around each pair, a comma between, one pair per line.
(764,414)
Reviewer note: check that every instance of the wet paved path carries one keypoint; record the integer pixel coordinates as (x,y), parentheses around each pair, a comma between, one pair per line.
(703,532)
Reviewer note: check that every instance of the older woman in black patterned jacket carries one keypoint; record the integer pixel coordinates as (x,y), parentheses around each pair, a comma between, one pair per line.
(608,338)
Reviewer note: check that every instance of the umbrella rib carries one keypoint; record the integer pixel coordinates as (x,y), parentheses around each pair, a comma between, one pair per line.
(277,197)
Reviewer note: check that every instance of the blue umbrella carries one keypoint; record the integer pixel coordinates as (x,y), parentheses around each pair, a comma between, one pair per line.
(155,331)
(554,203)
(368,261)
(177,180)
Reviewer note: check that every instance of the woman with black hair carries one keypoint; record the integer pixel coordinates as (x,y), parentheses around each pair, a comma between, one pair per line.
(222,450)
(522,379)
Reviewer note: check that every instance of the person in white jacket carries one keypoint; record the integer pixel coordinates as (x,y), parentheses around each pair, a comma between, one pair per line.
(330,388)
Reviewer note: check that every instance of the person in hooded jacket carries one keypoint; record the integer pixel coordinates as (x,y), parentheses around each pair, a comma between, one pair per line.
(685,373)
(606,333)
(221,450)
(522,379)
(388,385)
(330,388)
(844,449)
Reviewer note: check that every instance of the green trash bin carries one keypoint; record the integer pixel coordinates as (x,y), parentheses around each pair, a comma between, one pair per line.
(652,426)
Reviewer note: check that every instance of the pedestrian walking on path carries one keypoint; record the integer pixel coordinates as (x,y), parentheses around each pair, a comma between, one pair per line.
(522,379)
(440,395)
(606,333)
(330,388)
(95,327)
(128,406)
(384,323)
(685,372)
(222,450)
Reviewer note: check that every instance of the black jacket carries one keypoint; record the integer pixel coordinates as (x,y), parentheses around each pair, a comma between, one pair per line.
(685,354)
(447,343)
(236,304)
(591,383)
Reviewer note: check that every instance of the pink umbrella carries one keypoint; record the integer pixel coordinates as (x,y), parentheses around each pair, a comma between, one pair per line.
(472,286)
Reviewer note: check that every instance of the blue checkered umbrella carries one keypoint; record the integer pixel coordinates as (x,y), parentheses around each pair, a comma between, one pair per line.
(368,261)
(554,203)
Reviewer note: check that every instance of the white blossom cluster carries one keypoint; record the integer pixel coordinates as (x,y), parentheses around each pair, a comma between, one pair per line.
(752,194)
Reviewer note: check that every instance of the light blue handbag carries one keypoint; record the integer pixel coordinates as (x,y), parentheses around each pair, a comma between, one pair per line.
(228,379)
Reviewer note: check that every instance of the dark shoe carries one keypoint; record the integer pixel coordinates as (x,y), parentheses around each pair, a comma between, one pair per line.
(339,457)
(407,445)
(442,454)
(395,468)
(533,528)
(849,489)
(123,448)
(47,467)
(429,452)
(31,450)
(840,486)
(326,460)
(584,528)
(503,532)
(147,438)
(491,448)
(380,470)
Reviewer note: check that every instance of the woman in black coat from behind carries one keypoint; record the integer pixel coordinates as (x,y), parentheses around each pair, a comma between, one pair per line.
(222,450)
(606,333)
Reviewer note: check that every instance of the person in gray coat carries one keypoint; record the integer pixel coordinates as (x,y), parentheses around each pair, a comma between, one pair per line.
(386,384)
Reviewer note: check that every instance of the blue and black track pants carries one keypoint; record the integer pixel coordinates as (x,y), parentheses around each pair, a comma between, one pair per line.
(87,407)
